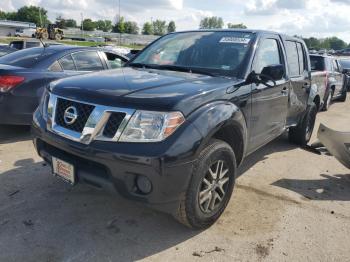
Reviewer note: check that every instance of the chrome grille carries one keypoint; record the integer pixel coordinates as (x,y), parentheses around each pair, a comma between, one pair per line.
(94,122)
(113,124)
(84,112)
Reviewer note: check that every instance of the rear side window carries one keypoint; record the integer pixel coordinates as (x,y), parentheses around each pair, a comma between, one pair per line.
(67,63)
(317,63)
(87,61)
(268,54)
(293,58)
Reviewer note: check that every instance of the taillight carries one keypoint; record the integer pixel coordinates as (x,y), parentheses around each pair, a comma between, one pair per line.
(9,82)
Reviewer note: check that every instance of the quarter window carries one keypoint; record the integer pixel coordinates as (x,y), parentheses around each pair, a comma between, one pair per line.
(87,61)
(67,63)
(267,55)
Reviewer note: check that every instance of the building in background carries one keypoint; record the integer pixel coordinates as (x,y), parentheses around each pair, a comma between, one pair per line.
(8,28)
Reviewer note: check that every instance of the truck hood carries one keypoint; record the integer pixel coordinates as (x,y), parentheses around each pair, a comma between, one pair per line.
(144,88)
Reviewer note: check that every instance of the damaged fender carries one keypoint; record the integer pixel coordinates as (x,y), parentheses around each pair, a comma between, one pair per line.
(337,143)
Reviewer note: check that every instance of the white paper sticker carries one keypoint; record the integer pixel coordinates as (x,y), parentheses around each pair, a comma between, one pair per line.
(235,40)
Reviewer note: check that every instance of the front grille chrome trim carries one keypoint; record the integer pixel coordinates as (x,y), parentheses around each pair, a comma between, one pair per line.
(94,126)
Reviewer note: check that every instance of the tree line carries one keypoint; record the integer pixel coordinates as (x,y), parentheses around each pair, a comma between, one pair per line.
(38,15)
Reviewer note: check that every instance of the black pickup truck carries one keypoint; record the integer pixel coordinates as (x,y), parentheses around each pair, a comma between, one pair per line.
(171,127)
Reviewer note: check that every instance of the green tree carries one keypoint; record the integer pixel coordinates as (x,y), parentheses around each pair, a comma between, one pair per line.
(159,27)
(71,23)
(238,26)
(171,27)
(89,25)
(213,22)
(61,22)
(3,15)
(119,27)
(147,29)
(104,25)
(32,14)
(312,43)
(131,28)
(334,43)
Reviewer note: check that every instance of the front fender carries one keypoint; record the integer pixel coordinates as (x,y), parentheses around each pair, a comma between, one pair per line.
(211,118)
(313,94)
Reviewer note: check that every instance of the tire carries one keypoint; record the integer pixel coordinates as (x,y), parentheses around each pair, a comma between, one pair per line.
(191,212)
(328,101)
(342,98)
(58,37)
(301,134)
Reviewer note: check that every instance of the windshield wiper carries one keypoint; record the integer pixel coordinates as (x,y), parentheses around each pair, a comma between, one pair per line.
(140,65)
(185,69)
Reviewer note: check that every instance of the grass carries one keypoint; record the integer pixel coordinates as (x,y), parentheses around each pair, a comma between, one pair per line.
(7,40)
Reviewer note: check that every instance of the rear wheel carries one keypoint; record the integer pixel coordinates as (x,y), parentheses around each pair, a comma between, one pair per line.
(301,134)
(58,37)
(342,98)
(328,101)
(210,188)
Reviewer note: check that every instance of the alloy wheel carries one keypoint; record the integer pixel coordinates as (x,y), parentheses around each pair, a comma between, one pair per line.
(214,187)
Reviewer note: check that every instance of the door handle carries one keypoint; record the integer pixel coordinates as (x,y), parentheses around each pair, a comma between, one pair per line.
(305,85)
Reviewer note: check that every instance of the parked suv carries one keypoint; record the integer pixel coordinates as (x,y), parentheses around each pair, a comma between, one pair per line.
(328,77)
(171,128)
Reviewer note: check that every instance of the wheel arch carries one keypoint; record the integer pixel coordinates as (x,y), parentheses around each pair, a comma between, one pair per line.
(226,122)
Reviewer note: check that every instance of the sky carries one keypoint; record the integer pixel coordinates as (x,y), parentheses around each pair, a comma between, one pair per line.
(319,18)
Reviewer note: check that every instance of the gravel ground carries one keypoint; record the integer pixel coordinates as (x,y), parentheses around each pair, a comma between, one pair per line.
(288,205)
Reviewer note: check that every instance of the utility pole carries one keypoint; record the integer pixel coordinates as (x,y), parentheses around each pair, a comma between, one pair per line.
(119,15)
(82,24)
(41,20)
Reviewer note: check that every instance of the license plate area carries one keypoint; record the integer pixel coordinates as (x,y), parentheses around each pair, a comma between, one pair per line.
(63,170)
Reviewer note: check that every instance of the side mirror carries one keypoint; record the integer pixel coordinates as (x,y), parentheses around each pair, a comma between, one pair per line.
(275,72)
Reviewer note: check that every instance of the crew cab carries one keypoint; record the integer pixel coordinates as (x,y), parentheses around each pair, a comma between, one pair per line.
(171,128)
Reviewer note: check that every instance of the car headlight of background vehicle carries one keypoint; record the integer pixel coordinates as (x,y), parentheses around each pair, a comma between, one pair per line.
(148,126)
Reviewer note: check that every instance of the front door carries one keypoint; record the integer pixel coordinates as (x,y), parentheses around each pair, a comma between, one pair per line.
(269,103)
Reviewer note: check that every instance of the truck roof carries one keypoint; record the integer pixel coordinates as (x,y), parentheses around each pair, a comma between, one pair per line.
(252,31)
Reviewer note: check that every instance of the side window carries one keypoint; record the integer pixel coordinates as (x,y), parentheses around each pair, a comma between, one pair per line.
(32,44)
(114,60)
(268,54)
(87,61)
(301,54)
(55,67)
(67,63)
(293,58)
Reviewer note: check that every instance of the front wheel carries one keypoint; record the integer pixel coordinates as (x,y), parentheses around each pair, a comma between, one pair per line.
(210,188)
(342,98)
(301,134)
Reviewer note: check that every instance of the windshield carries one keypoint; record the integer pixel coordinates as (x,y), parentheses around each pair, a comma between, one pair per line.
(345,64)
(219,53)
(26,58)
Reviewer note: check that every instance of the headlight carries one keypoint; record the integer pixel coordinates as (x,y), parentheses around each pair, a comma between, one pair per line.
(147,126)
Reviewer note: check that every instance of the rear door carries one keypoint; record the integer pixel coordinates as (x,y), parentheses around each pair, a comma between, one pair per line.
(269,103)
(300,78)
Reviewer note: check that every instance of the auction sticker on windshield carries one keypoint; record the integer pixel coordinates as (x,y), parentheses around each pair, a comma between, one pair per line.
(63,170)
(235,40)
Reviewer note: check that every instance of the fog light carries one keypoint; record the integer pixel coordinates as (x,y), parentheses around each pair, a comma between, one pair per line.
(144,184)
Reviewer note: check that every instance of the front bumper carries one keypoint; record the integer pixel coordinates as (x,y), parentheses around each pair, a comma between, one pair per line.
(116,166)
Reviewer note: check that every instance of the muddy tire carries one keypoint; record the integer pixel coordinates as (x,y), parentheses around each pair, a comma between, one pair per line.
(301,134)
(210,188)
(328,101)
(342,98)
